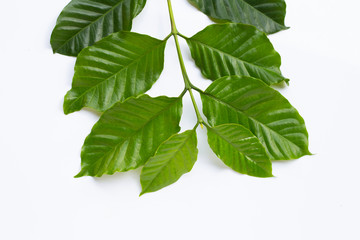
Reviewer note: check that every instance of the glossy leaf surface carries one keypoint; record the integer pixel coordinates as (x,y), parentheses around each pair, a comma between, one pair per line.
(175,156)
(235,49)
(121,65)
(239,149)
(266,15)
(262,110)
(84,22)
(128,134)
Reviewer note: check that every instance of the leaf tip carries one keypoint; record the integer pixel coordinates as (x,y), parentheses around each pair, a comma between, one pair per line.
(66,112)
(310,153)
(80,174)
(143,191)
(268,174)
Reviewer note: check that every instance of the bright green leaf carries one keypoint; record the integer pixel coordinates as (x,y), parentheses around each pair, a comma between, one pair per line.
(128,134)
(235,49)
(239,149)
(120,66)
(266,15)
(175,156)
(84,22)
(261,109)
(250,123)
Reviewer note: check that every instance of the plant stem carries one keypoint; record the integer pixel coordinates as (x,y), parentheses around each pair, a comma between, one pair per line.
(172,21)
(188,85)
(197,89)
(206,125)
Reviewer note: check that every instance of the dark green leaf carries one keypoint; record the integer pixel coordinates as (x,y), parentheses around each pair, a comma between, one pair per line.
(239,149)
(266,15)
(261,109)
(175,156)
(84,22)
(121,65)
(128,134)
(235,49)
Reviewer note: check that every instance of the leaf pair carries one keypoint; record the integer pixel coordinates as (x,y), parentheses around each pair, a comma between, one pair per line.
(251,124)
(138,131)
(127,64)
(128,134)
(246,111)
(84,22)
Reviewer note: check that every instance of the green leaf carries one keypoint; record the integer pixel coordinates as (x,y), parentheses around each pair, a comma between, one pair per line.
(120,66)
(175,156)
(128,134)
(266,15)
(84,22)
(235,49)
(262,110)
(239,149)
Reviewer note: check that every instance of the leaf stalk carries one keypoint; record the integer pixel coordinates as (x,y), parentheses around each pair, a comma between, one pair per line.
(188,85)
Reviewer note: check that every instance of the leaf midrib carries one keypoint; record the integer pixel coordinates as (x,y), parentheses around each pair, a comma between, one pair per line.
(255,9)
(228,54)
(167,162)
(87,26)
(116,73)
(234,146)
(123,139)
(255,120)
(262,13)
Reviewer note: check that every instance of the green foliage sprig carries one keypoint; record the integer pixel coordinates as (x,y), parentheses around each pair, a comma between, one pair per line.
(249,123)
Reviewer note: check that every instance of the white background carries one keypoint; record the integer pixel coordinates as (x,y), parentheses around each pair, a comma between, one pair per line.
(315,197)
